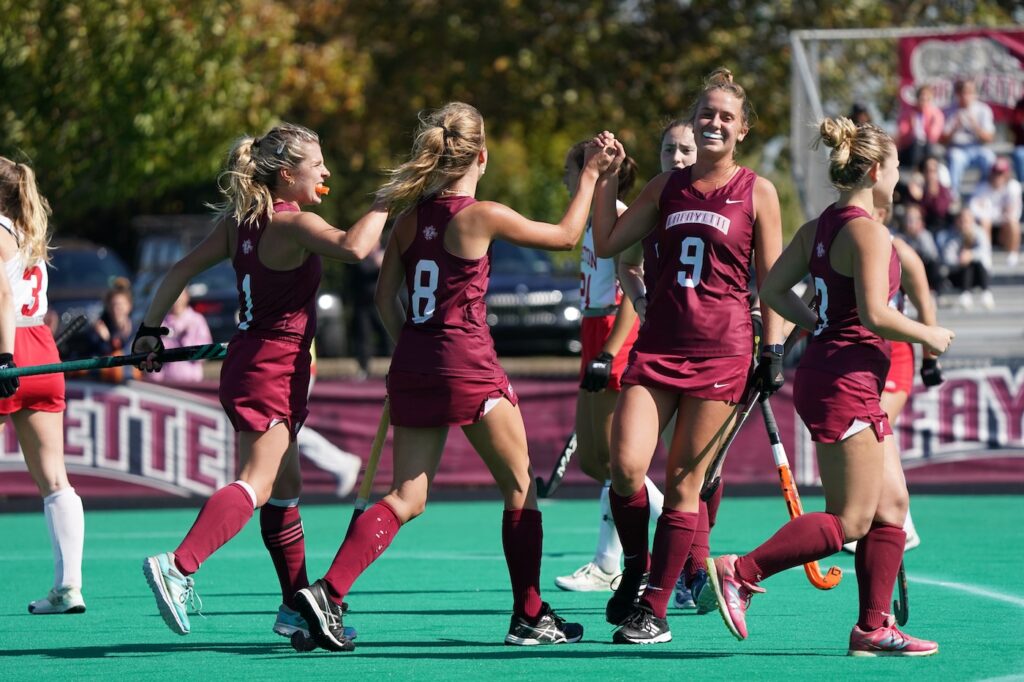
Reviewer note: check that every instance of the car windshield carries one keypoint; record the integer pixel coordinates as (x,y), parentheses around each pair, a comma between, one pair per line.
(220,278)
(85,269)
(508,259)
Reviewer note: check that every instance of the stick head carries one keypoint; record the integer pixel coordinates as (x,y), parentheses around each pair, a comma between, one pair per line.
(830,579)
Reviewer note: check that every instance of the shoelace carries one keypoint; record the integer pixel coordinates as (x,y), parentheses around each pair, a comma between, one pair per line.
(190,598)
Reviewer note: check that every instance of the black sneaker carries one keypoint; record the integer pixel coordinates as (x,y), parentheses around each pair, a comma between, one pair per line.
(549,628)
(642,627)
(323,617)
(627,595)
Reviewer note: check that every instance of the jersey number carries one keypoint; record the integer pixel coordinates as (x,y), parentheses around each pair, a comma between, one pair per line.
(691,257)
(821,294)
(423,301)
(245,314)
(33,274)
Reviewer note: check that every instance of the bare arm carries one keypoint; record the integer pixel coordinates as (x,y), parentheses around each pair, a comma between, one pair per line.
(316,235)
(8,249)
(389,283)
(767,247)
(791,267)
(613,233)
(914,281)
(630,271)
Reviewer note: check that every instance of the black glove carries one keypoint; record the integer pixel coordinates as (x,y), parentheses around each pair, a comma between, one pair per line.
(597,373)
(768,376)
(931,372)
(8,386)
(154,332)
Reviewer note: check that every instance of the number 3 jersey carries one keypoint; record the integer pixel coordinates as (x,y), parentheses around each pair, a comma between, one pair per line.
(28,284)
(699,306)
(446,330)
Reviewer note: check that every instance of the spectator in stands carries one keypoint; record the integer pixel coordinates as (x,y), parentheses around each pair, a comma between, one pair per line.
(927,190)
(112,333)
(1017,135)
(968,254)
(187,327)
(919,128)
(996,203)
(859,114)
(912,231)
(970,127)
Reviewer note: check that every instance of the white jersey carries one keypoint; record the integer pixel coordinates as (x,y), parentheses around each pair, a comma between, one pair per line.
(599,282)
(28,284)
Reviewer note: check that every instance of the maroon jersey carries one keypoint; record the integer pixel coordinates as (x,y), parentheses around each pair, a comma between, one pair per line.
(279,304)
(704,241)
(840,344)
(446,330)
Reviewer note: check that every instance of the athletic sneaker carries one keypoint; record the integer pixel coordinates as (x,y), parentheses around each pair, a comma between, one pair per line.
(587,578)
(732,593)
(642,627)
(289,621)
(913,539)
(548,628)
(627,595)
(703,593)
(174,592)
(850,547)
(63,600)
(682,597)
(888,641)
(323,617)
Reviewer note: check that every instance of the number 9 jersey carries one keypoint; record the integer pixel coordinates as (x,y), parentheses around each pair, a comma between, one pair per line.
(699,306)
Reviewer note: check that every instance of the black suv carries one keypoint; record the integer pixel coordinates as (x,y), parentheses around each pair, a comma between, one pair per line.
(165,239)
(530,307)
(80,274)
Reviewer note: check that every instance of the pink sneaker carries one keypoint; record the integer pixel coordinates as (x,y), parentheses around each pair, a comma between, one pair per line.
(732,593)
(888,641)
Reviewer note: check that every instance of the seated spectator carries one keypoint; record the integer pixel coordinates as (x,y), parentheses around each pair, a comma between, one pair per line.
(913,232)
(970,127)
(859,114)
(968,254)
(112,333)
(927,191)
(997,204)
(1017,136)
(186,328)
(919,128)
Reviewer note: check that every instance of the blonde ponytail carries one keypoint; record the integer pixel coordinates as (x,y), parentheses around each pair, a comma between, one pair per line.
(447,143)
(855,149)
(29,210)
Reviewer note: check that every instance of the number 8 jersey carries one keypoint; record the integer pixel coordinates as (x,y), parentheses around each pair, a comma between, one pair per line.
(699,306)
(446,330)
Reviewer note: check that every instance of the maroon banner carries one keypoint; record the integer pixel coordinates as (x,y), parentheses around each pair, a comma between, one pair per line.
(994,60)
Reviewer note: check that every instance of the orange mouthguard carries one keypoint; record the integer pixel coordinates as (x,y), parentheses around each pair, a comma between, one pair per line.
(323,190)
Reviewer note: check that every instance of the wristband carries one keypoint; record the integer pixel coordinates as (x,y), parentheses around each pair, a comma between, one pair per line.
(775,349)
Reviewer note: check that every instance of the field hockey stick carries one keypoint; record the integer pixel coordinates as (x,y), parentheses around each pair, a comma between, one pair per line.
(558,473)
(70,330)
(366,487)
(713,476)
(834,575)
(901,606)
(210,351)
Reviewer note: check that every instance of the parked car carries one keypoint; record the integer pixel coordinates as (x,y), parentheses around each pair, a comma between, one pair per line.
(80,273)
(165,239)
(531,308)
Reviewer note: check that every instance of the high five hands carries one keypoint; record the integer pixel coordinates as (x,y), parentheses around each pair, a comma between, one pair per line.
(604,154)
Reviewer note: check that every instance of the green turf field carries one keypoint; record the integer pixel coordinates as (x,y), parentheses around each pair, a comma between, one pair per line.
(436,605)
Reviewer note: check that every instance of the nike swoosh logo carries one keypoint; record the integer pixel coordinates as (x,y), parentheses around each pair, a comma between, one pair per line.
(718,385)
(734,201)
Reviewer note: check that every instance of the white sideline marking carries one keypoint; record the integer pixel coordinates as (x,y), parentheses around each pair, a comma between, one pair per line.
(971,589)
(1006,678)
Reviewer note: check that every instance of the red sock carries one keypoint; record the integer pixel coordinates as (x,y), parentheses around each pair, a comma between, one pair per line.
(224,514)
(700,550)
(806,538)
(631,515)
(672,540)
(281,527)
(877,561)
(522,538)
(371,534)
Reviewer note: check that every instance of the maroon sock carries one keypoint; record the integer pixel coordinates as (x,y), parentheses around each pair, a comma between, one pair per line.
(371,534)
(672,539)
(522,538)
(877,561)
(713,504)
(700,550)
(806,538)
(281,528)
(631,515)
(224,514)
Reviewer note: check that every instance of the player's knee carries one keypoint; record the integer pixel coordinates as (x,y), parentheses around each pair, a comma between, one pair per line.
(856,525)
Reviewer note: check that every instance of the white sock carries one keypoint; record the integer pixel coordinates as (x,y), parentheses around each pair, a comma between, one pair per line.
(609,549)
(66,521)
(654,498)
(249,489)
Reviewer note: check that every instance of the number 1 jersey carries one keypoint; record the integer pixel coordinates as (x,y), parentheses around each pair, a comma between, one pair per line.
(699,306)
(446,330)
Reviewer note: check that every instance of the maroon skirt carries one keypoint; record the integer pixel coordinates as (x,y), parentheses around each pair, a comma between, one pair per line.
(263,382)
(430,400)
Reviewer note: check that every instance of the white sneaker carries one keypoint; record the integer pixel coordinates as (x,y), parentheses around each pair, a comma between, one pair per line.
(1012,258)
(966,301)
(850,547)
(988,302)
(587,578)
(913,540)
(64,600)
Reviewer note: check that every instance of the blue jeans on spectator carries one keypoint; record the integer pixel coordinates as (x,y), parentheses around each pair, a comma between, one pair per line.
(961,158)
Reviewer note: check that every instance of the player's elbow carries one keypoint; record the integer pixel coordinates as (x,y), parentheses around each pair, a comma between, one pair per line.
(874,320)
